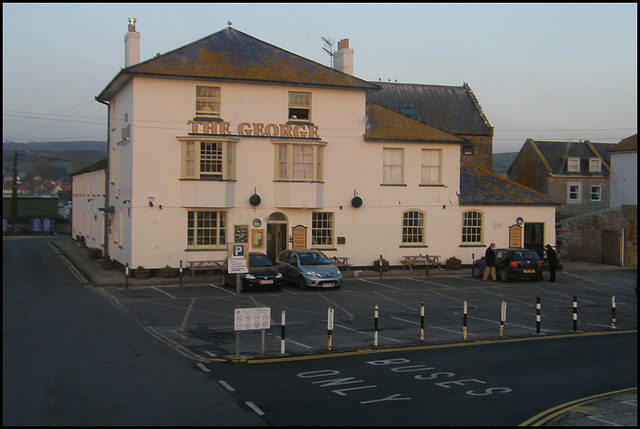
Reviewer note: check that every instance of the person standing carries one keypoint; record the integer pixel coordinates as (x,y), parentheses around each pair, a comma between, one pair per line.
(490,262)
(552,259)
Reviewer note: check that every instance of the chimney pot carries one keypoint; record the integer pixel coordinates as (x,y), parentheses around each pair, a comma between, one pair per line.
(131,45)
(343,58)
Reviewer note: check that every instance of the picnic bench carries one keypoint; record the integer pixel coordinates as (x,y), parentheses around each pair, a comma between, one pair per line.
(411,261)
(342,262)
(206,265)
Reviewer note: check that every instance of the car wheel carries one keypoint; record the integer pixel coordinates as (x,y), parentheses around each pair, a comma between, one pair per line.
(476,271)
(302,284)
(504,276)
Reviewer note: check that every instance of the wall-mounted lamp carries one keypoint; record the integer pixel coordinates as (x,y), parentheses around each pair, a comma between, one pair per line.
(151,198)
(126,201)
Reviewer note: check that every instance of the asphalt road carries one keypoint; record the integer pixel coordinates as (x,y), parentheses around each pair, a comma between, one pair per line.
(473,384)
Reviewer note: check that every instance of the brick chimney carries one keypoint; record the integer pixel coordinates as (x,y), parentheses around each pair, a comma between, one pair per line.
(131,45)
(343,58)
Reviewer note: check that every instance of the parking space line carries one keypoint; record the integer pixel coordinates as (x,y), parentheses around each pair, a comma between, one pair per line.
(430,282)
(186,316)
(257,410)
(397,302)
(226,386)
(431,327)
(380,284)
(351,316)
(366,333)
(166,293)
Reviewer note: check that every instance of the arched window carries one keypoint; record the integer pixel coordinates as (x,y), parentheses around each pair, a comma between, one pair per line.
(472,226)
(413,224)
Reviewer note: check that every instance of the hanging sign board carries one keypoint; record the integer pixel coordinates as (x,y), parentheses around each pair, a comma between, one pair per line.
(515,236)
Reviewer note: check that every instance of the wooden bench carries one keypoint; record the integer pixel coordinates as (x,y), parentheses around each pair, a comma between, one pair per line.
(411,261)
(206,265)
(342,262)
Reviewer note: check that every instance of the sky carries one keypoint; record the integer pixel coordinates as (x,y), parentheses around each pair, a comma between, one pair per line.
(560,72)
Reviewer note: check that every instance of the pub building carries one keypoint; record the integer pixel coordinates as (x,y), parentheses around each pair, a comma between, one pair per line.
(232,139)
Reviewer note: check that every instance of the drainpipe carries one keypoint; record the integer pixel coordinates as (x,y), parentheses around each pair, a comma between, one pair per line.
(622,247)
(106,181)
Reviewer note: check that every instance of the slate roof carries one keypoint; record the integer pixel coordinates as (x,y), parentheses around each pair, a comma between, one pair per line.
(453,109)
(556,154)
(628,144)
(481,187)
(385,124)
(98,165)
(233,55)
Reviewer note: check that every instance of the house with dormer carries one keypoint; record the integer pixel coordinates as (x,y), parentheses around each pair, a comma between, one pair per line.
(575,174)
(230,139)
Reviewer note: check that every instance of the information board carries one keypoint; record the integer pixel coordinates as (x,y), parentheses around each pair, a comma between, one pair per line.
(246,319)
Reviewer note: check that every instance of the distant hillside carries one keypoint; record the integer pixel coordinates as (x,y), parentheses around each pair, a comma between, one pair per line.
(502,161)
(52,160)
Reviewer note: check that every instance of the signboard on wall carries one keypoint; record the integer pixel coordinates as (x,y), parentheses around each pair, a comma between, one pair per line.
(299,237)
(241,233)
(515,236)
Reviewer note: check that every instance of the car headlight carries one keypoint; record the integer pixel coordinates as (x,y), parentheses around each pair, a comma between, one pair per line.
(313,274)
(278,276)
(249,276)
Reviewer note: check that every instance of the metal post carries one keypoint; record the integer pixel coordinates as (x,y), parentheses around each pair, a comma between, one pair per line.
(282,333)
(126,276)
(464,321)
(575,313)
(238,306)
(538,316)
(422,322)
(426,264)
(613,312)
(503,318)
(375,327)
(181,272)
(380,265)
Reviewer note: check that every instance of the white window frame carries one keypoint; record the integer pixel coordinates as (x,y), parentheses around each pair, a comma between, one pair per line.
(322,229)
(595,165)
(431,166)
(207,100)
(200,236)
(573,164)
(192,158)
(298,161)
(578,198)
(414,234)
(472,227)
(299,106)
(596,190)
(393,166)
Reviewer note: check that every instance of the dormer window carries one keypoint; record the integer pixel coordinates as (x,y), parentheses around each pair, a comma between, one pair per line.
(573,164)
(208,100)
(595,165)
(300,106)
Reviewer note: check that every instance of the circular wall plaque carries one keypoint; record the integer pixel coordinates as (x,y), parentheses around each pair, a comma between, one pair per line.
(257,222)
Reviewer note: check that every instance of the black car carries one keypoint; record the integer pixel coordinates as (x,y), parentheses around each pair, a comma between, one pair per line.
(512,264)
(262,274)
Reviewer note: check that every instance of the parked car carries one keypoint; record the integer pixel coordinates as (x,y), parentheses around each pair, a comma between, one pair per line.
(512,264)
(262,274)
(308,268)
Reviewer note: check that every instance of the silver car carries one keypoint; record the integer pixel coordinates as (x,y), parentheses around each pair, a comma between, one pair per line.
(308,268)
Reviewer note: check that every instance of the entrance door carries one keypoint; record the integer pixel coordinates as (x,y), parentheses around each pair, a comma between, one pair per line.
(534,237)
(276,235)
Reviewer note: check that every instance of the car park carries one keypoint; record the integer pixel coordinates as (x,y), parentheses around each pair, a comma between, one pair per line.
(512,264)
(262,274)
(308,268)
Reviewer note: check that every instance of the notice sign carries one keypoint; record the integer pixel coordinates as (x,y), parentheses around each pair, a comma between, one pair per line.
(246,319)
(515,236)
(237,265)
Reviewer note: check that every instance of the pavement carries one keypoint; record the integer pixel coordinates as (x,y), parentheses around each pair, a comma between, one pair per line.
(609,409)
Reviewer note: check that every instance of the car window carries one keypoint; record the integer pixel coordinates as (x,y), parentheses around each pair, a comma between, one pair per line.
(259,261)
(529,254)
(292,260)
(314,259)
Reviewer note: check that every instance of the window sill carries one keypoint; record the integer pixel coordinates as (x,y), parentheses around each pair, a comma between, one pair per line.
(432,185)
(393,184)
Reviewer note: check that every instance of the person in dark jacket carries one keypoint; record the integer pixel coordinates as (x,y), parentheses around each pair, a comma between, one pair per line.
(552,259)
(490,263)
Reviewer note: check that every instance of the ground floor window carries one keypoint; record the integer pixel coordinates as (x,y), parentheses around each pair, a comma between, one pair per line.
(413,227)
(596,193)
(207,228)
(472,227)
(322,229)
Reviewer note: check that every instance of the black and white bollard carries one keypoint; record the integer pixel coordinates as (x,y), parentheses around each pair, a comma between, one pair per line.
(613,312)
(426,264)
(181,272)
(375,326)
(464,321)
(422,322)
(282,328)
(575,313)
(329,327)
(126,276)
(538,316)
